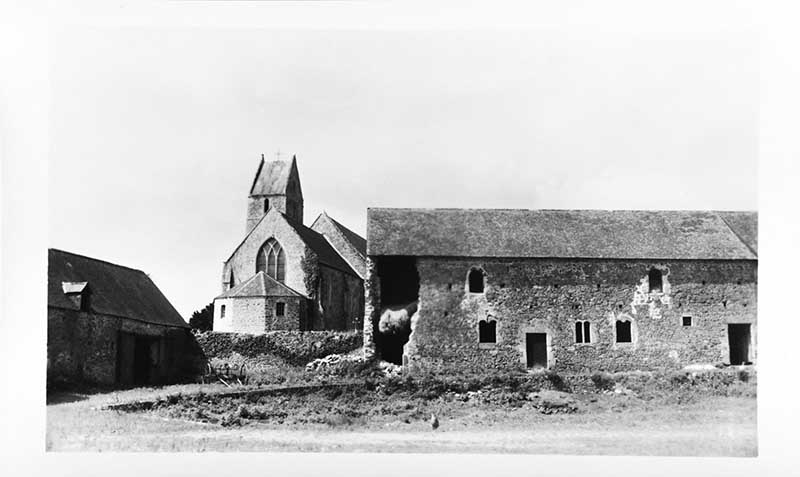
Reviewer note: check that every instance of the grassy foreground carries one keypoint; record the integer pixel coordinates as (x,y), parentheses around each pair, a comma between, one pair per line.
(386,418)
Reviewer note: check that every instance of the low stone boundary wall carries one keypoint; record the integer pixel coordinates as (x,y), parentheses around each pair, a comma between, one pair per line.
(275,348)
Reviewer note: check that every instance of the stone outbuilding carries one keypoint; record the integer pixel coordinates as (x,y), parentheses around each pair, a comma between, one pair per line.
(566,290)
(109,324)
(284,275)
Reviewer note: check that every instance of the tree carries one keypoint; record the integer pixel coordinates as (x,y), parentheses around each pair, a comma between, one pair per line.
(203,319)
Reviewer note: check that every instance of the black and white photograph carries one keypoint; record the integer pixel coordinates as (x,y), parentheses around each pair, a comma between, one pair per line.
(281,228)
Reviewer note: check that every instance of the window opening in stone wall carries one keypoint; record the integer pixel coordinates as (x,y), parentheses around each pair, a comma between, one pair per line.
(687,320)
(655,279)
(230,282)
(271,260)
(222,311)
(623,331)
(487,331)
(583,332)
(280,309)
(475,280)
(266,205)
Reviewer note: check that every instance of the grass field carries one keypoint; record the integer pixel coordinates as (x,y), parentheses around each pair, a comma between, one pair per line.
(195,418)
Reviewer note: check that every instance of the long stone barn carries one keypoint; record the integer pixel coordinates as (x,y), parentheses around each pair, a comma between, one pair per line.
(565,290)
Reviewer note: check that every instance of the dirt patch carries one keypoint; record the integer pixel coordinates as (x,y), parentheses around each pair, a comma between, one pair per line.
(379,400)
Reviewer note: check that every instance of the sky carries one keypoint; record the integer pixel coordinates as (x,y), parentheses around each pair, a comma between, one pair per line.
(156,133)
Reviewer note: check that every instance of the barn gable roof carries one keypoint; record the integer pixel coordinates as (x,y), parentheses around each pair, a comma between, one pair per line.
(116,290)
(259,285)
(520,233)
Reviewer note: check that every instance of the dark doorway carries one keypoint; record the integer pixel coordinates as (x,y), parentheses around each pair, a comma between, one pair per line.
(399,289)
(142,361)
(739,343)
(135,363)
(536,350)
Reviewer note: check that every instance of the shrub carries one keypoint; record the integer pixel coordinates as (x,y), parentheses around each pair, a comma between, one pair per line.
(603,381)
(557,381)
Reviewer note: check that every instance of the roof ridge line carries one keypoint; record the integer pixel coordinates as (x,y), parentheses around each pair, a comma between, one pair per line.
(248,235)
(97,260)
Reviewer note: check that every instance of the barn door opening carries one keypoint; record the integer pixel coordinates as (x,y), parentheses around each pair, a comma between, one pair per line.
(142,360)
(536,350)
(739,343)
(399,292)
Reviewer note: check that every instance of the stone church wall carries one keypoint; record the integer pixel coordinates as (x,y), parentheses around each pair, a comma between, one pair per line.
(256,315)
(243,261)
(550,295)
(341,298)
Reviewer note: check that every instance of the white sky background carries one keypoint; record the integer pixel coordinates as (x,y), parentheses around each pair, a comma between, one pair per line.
(156,133)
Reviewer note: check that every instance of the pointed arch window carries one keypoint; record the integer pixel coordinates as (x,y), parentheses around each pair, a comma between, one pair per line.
(271,260)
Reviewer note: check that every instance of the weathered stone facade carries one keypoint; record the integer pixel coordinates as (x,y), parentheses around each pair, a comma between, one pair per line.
(86,347)
(572,291)
(259,314)
(550,296)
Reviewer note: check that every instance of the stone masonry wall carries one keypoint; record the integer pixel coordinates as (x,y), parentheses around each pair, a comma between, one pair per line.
(256,315)
(82,347)
(549,295)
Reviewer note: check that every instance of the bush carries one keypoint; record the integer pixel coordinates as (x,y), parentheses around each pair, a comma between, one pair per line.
(557,381)
(603,381)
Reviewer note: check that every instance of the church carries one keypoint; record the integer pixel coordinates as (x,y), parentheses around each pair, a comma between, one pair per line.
(284,275)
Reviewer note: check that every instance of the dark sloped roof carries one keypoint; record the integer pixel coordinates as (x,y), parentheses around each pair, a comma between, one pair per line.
(553,233)
(326,254)
(357,241)
(115,290)
(259,285)
(745,225)
(272,177)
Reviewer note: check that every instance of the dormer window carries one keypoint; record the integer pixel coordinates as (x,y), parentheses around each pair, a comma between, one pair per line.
(79,294)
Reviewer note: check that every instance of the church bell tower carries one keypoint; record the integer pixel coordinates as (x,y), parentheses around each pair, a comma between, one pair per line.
(275,186)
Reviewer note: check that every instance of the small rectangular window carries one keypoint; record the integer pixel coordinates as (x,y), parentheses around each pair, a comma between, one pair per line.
(623,329)
(487,331)
(687,320)
(583,332)
(280,309)
(222,311)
